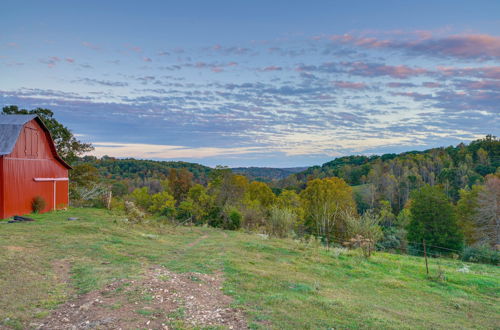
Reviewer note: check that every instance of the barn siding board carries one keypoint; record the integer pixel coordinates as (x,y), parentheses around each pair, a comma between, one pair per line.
(33,156)
(1,189)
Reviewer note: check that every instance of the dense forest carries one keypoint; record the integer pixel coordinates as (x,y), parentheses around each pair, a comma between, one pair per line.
(267,174)
(392,177)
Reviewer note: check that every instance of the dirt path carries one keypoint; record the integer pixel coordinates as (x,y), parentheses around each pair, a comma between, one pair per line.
(198,240)
(160,300)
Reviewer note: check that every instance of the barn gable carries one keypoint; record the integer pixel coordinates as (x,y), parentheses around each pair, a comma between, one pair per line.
(11,127)
(29,167)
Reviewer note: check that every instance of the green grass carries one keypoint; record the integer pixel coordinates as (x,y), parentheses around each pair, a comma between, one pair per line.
(278,283)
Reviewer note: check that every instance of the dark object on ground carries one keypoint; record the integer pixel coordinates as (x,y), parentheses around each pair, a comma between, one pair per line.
(20,219)
(72,218)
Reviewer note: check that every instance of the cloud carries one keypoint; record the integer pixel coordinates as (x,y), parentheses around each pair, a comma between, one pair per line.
(156,151)
(492,85)
(94,82)
(147,59)
(460,46)
(90,45)
(271,68)
(51,61)
(489,72)
(69,60)
(431,84)
(350,85)
(365,69)
(400,85)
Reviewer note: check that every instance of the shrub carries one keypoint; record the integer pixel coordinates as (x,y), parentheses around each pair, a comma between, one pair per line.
(163,204)
(135,215)
(281,222)
(364,232)
(142,198)
(481,254)
(38,204)
(234,220)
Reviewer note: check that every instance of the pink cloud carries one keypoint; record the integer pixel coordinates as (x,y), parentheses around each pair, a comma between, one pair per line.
(493,85)
(90,45)
(375,70)
(489,72)
(466,46)
(147,59)
(350,85)
(217,69)
(69,60)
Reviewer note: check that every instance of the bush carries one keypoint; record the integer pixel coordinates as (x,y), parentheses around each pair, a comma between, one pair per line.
(364,232)
(281,222)
(481,254)
(234,220)
(38,204)
(394,239)
(135,215)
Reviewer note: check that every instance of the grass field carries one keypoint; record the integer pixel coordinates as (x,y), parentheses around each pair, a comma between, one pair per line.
(277,283)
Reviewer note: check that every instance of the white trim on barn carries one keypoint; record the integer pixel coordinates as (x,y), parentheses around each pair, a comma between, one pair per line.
(54,180)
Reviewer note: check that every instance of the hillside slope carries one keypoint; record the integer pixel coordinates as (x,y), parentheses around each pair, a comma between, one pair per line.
(54,267)
(267,174)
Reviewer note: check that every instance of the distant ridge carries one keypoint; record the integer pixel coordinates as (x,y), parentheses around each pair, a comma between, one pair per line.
(267,174)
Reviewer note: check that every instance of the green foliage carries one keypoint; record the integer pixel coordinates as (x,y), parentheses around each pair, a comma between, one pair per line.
(162,203)
(266,174)
(466,211)
(38,204)
(482,254)
(281,222)
(67,146)
(234,220)
(367,226)
(142,198)
(433,219)
(327,202)
(393,176)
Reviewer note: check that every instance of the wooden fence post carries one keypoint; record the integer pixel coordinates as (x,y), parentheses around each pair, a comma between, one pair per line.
(425,256)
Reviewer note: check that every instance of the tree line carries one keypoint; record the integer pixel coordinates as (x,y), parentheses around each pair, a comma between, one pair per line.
(447,197)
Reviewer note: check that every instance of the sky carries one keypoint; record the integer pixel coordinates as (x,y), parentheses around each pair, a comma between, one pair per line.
(256,83)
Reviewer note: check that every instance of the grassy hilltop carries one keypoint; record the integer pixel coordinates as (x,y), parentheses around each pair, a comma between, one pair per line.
(274,283)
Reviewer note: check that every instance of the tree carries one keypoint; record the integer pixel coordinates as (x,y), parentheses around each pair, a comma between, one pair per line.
(281,221)
(180,181)
(433,219)
(162,203)
(488,213)
(141,197)
(67,146)
(326,203)
(467,207)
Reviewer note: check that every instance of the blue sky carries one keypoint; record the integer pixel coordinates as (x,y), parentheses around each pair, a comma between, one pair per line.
(256,83)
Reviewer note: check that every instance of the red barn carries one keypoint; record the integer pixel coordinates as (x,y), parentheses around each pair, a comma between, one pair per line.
(29,167)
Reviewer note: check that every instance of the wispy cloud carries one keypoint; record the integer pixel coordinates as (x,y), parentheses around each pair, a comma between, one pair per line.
(91,45)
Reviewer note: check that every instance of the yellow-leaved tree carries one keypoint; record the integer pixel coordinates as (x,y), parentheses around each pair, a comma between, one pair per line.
(326,204)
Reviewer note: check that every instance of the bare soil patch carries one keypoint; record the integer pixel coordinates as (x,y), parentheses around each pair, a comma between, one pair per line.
(159,300)
(15,248)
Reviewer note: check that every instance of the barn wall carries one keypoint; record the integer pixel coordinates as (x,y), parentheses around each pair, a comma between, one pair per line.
(31,158)
(1,188)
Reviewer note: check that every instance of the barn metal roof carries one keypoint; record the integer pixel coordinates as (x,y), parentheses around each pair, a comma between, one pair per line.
(10,128)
